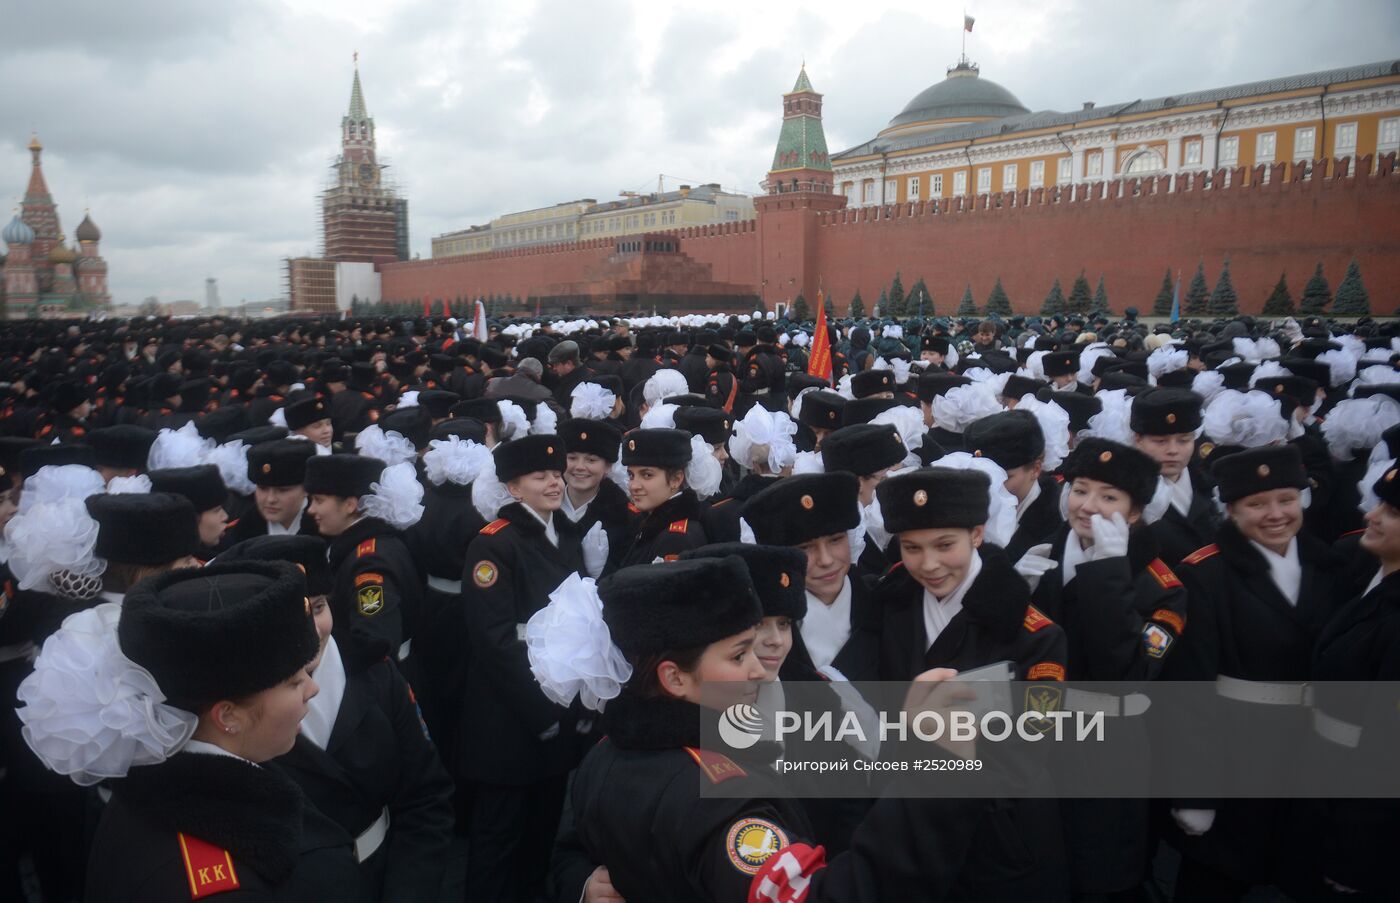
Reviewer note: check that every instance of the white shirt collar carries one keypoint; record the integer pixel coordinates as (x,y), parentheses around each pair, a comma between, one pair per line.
(113,597)
(321,711)
(548,522)
(938,613)
(1025,503)
(1286,570)
(1074,555)
(1182,492)
(573,513)
(293,530)
(1375,581)
(209,749)
(825,628)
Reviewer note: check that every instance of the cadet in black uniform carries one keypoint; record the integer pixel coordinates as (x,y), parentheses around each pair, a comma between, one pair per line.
(228,647)
(668,512)
(839,635)
(591,497)
(1166,421)
(204,487)
(1258,597)
(121,450)
(869,451)
(1015,442)
(1123,611)
(362,756)
(378,593)
(277,471)
(518,777)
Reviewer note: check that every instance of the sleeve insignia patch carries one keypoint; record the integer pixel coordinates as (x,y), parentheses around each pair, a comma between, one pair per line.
(485,574)
(369,599)
(1155,640)
(209,868)
(1171,619)
(1042,700)
(717,767)
(1046,671)
(1158,568)
(495,527)
(368,577)
(1201,554)
(364,548)
(679,526)
(751,842)
(1035,619)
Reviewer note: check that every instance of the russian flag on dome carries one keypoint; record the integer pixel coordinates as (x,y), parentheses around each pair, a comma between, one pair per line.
(819,363)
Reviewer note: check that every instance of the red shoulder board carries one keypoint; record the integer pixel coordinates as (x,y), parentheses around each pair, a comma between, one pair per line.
(679,526)
(495,527)
(723,501)
(718,768)
(898,565)
(1059,478)
(1354,532)
(1202,554)
(209,868)
(1164,575)
(633,509)
(364,548)
(79,431)
(1035,619)
(233,523)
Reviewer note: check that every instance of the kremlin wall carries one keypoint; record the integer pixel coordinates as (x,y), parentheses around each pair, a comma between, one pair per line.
(1163,205)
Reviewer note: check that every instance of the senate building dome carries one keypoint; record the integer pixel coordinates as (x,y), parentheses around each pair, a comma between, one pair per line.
(963,97)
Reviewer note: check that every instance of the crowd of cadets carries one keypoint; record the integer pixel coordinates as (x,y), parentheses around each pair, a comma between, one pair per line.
(1086,500)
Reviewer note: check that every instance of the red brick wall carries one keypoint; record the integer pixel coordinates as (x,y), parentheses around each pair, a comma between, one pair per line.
(1028,239)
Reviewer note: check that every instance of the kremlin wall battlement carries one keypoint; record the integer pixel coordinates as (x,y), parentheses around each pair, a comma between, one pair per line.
(1127,230)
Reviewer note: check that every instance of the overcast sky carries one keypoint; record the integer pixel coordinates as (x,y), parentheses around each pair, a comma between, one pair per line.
(200,132)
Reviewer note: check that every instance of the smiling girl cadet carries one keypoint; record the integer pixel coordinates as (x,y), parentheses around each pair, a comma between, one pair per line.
(177,696)
(663,644)
(663,468)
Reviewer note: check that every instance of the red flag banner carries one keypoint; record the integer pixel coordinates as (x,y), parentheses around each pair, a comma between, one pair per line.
(427,306)
(819,362)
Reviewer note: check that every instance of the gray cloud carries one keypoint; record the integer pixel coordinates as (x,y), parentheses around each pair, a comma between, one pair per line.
(199,133)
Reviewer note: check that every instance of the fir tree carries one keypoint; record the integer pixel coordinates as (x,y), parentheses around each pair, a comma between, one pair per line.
(1162,304)
(882,304)
(997,302)
(895,299)
(1280,302)
(1101,297)
(857,307)
(1352,300)
(799,313)
(1223,302)
(1317,294)
(1054,303)
(967,307)
(830,308)
(1198,294)
(1079,298)
(919,299)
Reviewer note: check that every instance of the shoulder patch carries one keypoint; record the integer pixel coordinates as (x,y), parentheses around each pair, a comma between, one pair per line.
(716,766)
(1036,619)
(209,868)
(1046,671)
(1202,554)
(1171,619)
(679,526)
(1158,568)
(364,548)
(495,527)
(752,842)
(369,599)
(368,577)
(1155,640)
(485,574)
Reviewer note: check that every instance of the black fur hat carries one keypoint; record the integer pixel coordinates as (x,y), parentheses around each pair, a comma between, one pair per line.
(279,463)
(305,411)
(462,427)
(711,424)
(66,395)
(936,343)
(31,459)
(529,454)
(822,410)
(225,631)
(779,574)
(308,553)
(651,608)
(1258,470)
(1079,407)
(1019,386)
(1388,486)
(144,528)
(1166,412)
(932,385)
(483,409)
(348,476)
(861,411)
(1011,439)
(437,402)
(803,507)
(934,498)
(201,484)
(869,382)
(1060,363)
(413,424)
(669,449)
(591,437)
(125,445)
(222,423)
(863,449)
(1118,465)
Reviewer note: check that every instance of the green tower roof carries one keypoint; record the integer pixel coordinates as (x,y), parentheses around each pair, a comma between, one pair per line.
(802,142)
(357,99)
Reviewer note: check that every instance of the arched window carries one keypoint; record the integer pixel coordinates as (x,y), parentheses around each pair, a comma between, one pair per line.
(1144,161)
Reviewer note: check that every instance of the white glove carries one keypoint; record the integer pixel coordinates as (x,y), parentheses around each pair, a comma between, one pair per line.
(1035,564)
(1194,822)
(1110,537)
(595,550)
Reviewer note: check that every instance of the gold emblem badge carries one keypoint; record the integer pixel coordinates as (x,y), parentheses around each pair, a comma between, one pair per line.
(583,437)
(1106,457)
(631,444)
(485,574)
(920,498)
(807,502)
(267,468)
(752,842)
(549,449)
(370,599)
(1042,700)
(785,580)
(1171,418)
(1263,470)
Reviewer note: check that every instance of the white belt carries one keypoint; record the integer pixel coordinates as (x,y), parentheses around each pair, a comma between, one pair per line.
(1342,733)
(405,649)
(1107,703)
(759,392)
(445,586)
(1263,692)
(372,838)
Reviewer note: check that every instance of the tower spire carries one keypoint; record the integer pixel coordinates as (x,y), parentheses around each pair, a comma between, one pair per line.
(357,97)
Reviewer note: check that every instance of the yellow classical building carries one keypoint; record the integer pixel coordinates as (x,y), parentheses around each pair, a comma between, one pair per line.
(968,135)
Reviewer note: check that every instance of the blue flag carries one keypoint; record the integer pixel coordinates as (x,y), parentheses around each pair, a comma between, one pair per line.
(1176,300)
